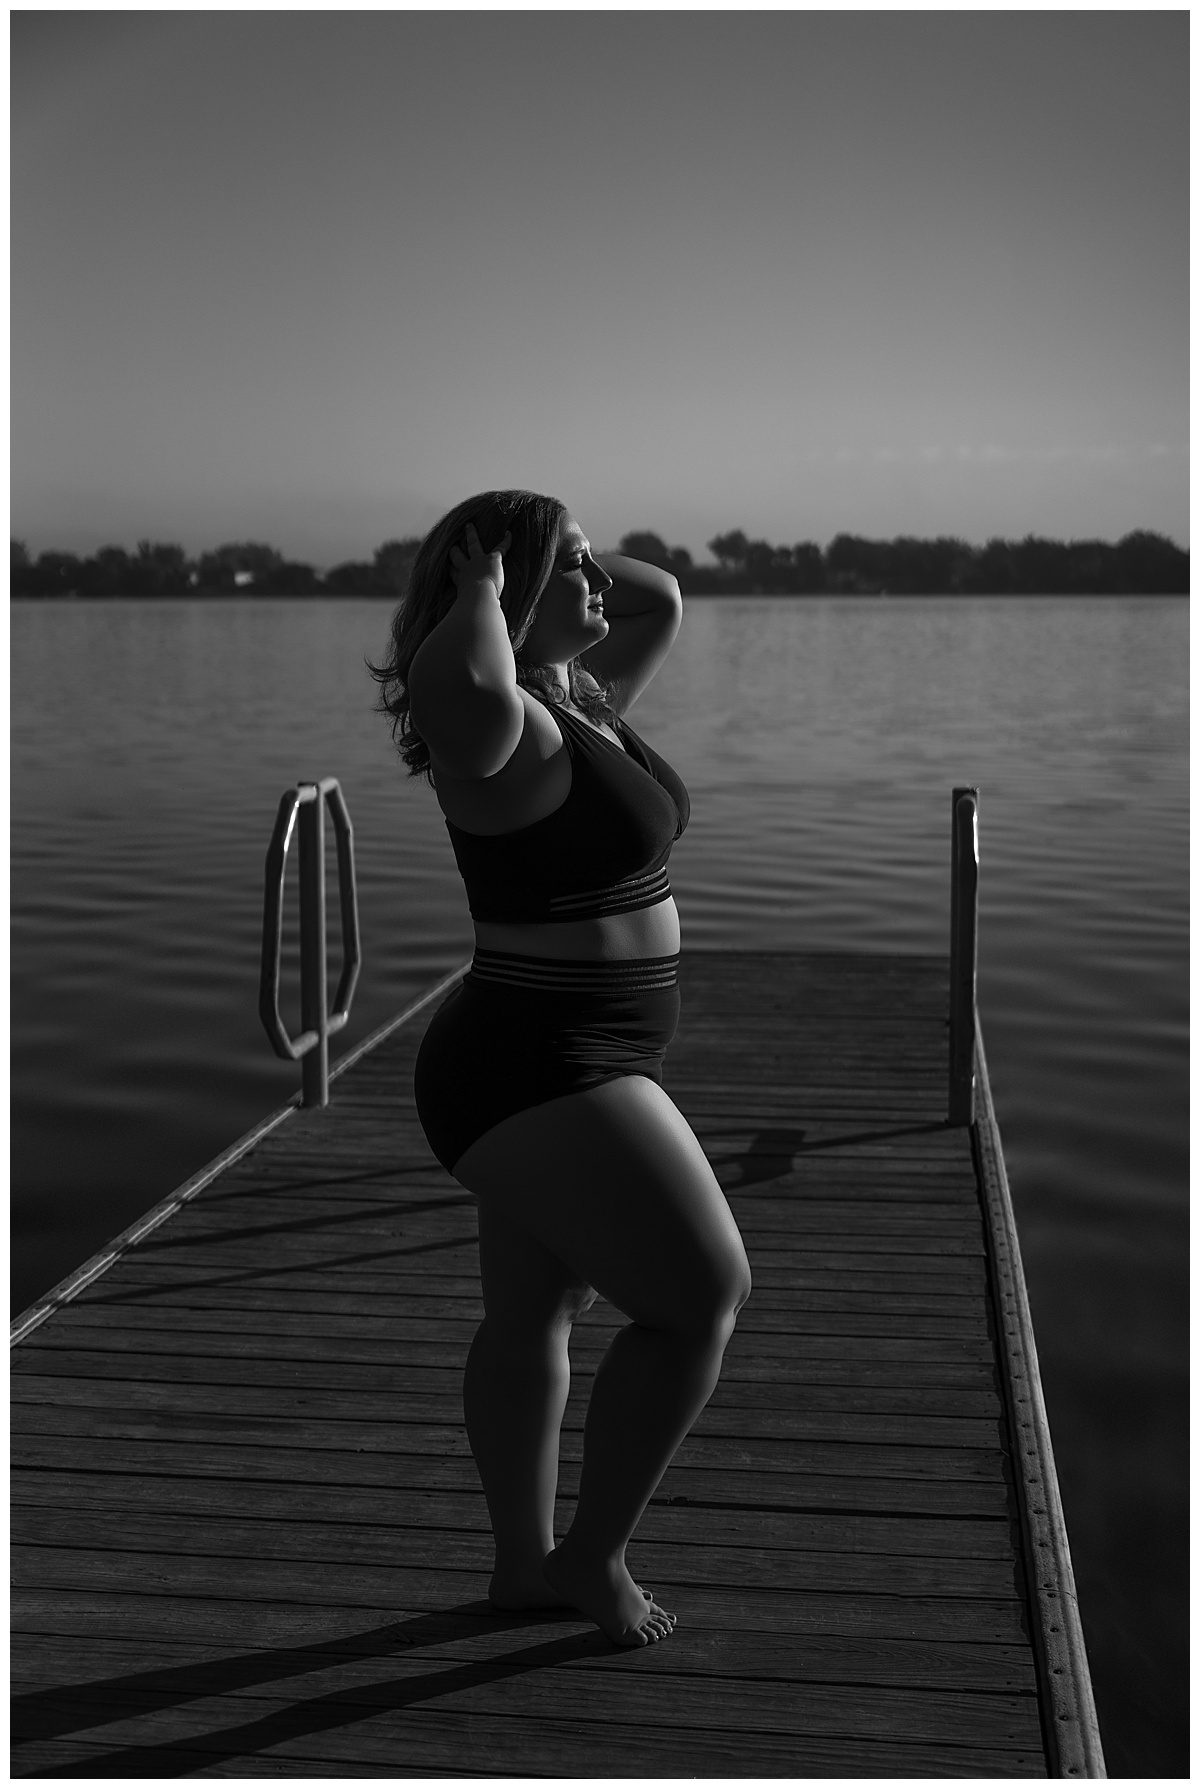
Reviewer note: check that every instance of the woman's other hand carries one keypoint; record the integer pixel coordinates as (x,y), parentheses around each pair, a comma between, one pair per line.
(474,567)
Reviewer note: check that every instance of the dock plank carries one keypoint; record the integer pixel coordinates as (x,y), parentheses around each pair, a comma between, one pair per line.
(62,1549)
(239,1621)
(538,1682)
(820,1385)
(249,1537)
(721,1488)
(432,1744)
(89,1494)
(174,1671)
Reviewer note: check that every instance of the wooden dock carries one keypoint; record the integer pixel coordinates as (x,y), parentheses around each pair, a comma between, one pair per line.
(248,1534)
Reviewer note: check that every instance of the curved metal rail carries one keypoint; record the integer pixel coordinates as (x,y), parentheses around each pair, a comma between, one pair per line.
(311,1047)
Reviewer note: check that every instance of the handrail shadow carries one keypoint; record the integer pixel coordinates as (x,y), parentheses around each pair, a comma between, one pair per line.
(52,1714)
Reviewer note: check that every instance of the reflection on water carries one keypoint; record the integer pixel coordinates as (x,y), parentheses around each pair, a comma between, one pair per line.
(820,740)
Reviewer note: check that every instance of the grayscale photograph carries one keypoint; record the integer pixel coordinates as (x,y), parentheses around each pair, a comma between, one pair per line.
(599,653)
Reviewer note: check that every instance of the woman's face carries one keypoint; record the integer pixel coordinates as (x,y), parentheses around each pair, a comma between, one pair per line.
(570,614)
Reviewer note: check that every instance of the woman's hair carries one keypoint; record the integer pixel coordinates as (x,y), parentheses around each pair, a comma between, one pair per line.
(534,523)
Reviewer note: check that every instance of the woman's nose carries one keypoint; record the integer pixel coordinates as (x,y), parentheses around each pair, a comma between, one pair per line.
(598,578)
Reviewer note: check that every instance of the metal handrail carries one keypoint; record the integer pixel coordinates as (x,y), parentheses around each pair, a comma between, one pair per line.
(964,953)
(311,1047)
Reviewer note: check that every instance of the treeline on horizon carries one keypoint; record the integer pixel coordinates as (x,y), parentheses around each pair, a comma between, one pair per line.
(1140,564)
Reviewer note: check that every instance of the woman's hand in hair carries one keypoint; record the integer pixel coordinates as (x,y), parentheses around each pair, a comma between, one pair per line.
(473,567)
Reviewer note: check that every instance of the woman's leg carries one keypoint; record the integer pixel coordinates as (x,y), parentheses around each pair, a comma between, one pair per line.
(613,1183)
(514,1393)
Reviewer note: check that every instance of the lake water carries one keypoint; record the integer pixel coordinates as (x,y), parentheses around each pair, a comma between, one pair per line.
(820,739)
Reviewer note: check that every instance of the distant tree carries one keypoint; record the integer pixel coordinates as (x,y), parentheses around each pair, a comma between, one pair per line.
(106,573)
(21,577)
(57,574)
(808,568)
(911,567)
(1152,564)
(652,549)
(240,565)
(291,577)
(730,549)
(354,578)
(161,569)
(393,562)
(1090,568)
(901,567)
(154,571)
(1041,565)
(768,568)
(752,565)
(994,571)
(854,566)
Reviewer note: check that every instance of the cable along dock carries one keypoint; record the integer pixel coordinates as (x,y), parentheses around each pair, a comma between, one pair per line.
(248,1535)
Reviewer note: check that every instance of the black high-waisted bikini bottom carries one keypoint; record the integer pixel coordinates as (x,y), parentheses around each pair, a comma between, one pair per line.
(518,1031)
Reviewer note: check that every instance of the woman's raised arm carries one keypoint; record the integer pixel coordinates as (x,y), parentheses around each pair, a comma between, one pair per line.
(462,682)
(644,611)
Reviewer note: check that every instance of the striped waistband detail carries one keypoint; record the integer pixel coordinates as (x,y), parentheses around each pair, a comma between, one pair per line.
(631,975)
(618,897)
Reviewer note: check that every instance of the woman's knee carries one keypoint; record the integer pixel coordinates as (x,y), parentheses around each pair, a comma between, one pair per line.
(732,1284)
(711,1303)
(526,1287)
(522,1312)
(742,1284)
(575,1302)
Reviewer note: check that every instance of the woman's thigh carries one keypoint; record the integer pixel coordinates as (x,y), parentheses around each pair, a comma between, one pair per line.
(613,1183)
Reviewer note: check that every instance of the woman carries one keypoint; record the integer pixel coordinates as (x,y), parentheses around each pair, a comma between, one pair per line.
(538,1082)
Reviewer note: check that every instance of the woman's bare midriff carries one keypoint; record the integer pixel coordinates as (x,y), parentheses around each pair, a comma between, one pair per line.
(649,932)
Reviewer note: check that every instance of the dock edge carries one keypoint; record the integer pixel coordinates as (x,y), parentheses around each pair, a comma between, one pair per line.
(1072,1731)
(100,1263)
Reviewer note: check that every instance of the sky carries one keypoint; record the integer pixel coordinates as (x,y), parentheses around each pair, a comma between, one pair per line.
(312,278)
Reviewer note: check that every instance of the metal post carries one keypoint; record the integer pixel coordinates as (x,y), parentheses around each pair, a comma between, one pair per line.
(314,1011)
(964,925)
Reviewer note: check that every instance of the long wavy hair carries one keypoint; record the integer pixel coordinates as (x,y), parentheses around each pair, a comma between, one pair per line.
(535,523)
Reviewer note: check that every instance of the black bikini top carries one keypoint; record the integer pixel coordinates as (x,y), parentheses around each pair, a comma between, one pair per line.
(603,851)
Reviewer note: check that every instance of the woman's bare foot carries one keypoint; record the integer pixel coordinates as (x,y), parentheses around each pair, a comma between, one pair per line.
(527,1588)
(607,1595)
